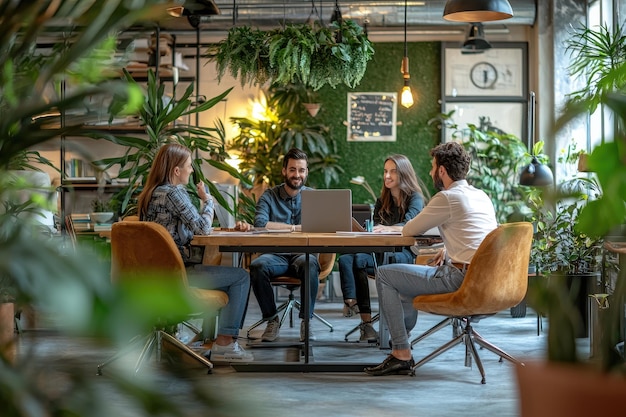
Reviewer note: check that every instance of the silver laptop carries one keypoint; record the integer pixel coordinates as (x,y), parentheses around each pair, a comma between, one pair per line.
(326,211)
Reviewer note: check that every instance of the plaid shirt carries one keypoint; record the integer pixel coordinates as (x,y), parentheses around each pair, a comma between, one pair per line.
(171,207)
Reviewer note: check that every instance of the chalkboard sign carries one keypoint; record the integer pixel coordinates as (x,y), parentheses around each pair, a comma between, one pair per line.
(372,117)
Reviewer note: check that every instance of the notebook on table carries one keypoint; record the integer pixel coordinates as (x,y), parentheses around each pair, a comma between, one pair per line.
(326,211)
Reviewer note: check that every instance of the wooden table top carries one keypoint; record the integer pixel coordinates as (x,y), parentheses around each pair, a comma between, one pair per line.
(218,238)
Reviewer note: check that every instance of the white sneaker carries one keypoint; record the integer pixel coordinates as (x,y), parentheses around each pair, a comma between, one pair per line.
(271,330)
(199,346)
(231,353)
(302,336)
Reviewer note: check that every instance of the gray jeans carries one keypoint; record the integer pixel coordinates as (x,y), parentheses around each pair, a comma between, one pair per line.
(398,284)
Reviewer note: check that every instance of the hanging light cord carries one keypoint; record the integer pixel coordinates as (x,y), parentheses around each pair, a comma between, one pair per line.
(406,49)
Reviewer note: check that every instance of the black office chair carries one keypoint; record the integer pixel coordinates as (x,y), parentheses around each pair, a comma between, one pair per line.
(327,261)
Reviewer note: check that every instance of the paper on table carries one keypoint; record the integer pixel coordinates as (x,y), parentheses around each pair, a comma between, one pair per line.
(369,233)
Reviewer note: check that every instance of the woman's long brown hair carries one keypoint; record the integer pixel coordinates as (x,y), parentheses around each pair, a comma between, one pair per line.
(409,184)
(170,156)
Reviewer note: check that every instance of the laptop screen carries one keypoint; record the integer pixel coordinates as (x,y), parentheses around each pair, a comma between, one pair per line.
(326,211)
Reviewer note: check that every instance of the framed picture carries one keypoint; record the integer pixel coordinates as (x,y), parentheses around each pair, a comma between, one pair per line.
(507,118)
(500,71)
(372,117)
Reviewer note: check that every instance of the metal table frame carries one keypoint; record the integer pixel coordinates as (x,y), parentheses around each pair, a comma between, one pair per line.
(308,244)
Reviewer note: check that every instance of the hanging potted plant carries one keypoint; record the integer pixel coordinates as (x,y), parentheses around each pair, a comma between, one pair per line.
(296,54)
(244,54)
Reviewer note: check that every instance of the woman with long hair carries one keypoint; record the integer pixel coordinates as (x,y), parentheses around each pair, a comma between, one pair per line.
(401,199)
(165,200)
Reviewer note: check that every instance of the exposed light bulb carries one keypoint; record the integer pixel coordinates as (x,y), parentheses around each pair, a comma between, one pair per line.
(406,96)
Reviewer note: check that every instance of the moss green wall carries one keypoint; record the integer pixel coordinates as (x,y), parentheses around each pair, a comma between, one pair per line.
(414,137)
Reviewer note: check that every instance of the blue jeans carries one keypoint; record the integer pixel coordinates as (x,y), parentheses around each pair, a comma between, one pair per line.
(398,284)
(270,265)
(233,281)
(353,271)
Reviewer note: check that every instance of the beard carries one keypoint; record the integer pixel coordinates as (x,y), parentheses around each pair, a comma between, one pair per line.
(294,182)
(438,182)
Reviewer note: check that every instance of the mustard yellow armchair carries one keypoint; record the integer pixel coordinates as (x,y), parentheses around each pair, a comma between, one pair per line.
(497,279)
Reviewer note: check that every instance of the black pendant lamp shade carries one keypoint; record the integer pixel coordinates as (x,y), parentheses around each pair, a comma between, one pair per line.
(477,10)
(475,42)
(193,8)
(536,174)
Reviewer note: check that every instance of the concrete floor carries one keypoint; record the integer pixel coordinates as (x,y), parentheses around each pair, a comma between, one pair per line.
(442,387)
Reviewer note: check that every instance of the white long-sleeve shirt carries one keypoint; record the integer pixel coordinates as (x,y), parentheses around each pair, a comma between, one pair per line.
(463,214)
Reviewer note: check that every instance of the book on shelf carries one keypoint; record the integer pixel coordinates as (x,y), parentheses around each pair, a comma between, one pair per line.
(82,226)
(102,227)
(80,217)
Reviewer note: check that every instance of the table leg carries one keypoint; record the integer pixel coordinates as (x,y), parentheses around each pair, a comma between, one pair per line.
(306,307)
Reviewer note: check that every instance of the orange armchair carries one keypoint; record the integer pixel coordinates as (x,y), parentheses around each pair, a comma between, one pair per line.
(496,279)
(141,249)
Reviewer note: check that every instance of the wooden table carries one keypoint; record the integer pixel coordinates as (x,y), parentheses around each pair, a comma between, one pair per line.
(306,243)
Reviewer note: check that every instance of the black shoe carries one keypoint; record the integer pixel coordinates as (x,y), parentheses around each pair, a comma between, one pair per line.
(392,366)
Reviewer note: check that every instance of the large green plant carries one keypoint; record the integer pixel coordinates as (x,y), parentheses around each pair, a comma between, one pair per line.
(598,59)
(74,287)
(296,54)
(161,115)
(595,54)
(558,244)
(262,143)
(496,161)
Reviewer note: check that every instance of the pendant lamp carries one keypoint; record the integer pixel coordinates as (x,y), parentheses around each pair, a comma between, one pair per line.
(477,10)
(534,174)
(179,8)
(406,96)
(475,42)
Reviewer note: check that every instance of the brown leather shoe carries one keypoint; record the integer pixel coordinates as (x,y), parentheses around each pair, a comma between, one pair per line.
(392,366)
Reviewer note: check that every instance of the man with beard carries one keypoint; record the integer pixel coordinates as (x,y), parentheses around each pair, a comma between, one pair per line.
(464,215)
(279,208)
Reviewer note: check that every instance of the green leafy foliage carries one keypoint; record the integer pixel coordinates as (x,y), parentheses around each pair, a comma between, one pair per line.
(244,54)
(559,245)
(296,54)
(496,161)
(595,53)
(261,144)
(161,114)
(35,268)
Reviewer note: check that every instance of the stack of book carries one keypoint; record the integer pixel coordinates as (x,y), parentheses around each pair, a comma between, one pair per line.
(101,227)
(81,222)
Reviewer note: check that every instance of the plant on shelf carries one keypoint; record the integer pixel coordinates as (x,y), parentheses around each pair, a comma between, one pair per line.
(558,244)
(160,115)
(105,204)
(296,54)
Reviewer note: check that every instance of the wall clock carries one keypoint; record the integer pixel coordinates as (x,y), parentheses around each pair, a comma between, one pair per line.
(484,75)
(500,71)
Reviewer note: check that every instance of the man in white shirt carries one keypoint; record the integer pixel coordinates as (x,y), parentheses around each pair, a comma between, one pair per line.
(464,215)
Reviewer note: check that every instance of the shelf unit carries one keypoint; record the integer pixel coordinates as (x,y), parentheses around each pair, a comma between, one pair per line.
(76,197)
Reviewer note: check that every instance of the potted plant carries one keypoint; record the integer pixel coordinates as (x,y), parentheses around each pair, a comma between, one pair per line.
(103,209)
(286,124)
(568,384)
(160,114)
(295,54)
